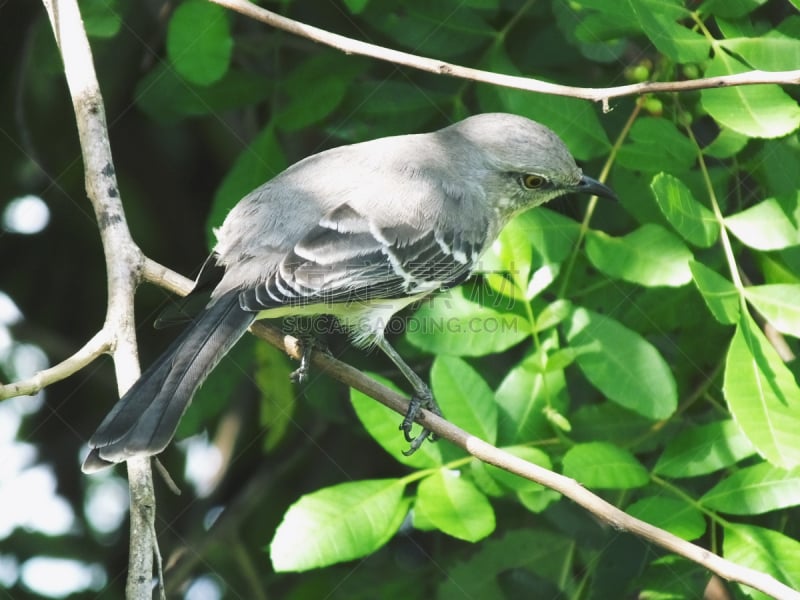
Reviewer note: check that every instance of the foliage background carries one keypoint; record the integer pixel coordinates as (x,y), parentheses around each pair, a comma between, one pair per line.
(628,343)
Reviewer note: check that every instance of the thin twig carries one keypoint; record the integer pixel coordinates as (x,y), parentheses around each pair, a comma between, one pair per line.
(166,278)
(101,343)
(351,46)
(95,347)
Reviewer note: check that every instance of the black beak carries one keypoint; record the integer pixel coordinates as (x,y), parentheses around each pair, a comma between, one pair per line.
(587,185)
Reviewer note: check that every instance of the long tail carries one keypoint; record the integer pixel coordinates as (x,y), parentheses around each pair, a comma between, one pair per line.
(144,420)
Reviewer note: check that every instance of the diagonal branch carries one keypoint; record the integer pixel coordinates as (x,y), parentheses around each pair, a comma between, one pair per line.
(351,46)
(94,348)
(513,464)
(487,453)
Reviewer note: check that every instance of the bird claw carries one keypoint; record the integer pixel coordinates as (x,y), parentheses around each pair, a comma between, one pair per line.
(300,374)
(417,403)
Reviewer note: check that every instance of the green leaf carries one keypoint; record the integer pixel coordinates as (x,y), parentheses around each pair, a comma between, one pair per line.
(479,472)
(273,377)
(550,235)
(455,506)
(464,397)
(691,219)
(622,365)
(773,51)
(779,161)
(541,280)
(431,28)
(679,518)
(779,304)
(537,501)
(199,42)
(167,97)
(657,18)
(316,88)
(769,225)
(538,551)
(731,8)
(764,550)
(703,449)
(356,6)
(383,424)
(599,465)
(650,256)
(259,162)
(521,399)
(558,361)
(513,482)
(553,314)
(778,267)
(657,145)
(755,490)
(720,295)
(615,21)
(510,258)
(727,144)
(608,421)
(760,111)
(456,324)
(672,577)
(101,18)
(339,523)
(762,395)
(537,239)
(393,106)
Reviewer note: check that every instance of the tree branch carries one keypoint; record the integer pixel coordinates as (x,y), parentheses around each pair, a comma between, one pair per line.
(100,343)
(351,46)
(95,347)
(126,266)
(487,453)
(123,264)
(166,278)
(513,464)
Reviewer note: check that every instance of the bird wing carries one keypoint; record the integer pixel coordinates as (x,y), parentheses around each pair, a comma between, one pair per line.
(347,257)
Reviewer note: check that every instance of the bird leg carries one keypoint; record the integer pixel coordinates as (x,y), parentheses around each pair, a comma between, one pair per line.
(300,374)
(303,331)
(422,398)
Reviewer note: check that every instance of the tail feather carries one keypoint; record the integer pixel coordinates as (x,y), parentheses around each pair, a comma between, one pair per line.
(144,420)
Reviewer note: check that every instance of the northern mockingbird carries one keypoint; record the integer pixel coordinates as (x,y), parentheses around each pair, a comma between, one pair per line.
(357,232)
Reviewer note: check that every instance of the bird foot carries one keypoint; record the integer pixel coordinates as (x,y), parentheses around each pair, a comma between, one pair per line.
(300,374)
(417,403)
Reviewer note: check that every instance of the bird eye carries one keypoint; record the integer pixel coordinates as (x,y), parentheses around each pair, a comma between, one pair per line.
(533,182)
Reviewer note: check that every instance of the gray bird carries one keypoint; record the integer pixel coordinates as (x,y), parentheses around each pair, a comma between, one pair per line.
(358,232)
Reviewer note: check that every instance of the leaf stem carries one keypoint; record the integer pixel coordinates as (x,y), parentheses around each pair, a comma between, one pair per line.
(612,155)
(724,238)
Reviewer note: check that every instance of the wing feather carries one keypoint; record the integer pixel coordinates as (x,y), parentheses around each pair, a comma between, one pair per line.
(347,258)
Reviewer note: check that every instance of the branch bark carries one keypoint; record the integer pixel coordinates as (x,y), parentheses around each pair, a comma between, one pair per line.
(485,452)
(422,63)
(570,488)
(123,266)
(94,348)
